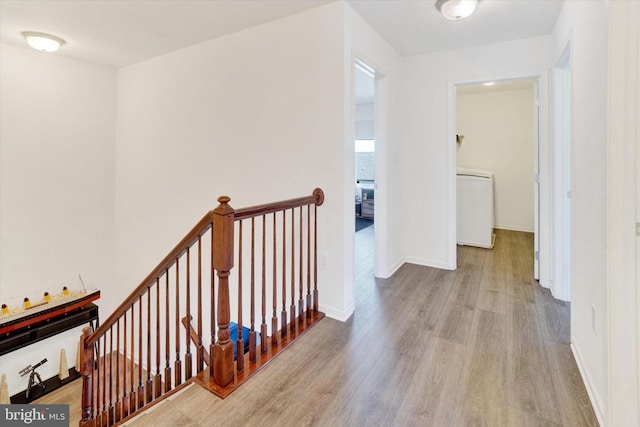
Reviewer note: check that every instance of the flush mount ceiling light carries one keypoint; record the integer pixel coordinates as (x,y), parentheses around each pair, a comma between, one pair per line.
(455,10)
(42,41)
(489,83)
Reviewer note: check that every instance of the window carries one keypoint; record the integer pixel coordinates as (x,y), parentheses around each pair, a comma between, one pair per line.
(365,146)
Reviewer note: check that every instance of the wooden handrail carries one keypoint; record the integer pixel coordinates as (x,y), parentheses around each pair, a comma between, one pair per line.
(201,227)
(317,198)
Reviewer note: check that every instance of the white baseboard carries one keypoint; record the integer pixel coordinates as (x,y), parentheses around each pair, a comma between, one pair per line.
(341,315)
(594,397)
(427,262)
(396,265)
(513,228)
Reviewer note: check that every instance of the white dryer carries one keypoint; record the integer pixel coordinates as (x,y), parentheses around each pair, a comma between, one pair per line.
(475,210)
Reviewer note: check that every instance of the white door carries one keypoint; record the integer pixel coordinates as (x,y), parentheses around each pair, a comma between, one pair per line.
(561,285)
(536,184)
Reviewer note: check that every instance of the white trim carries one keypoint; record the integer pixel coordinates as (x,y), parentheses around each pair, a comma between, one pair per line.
(561,162)
(544,188)
(543,165)
(536,180)
(452,258)
(392,270)
(340,315)
(513,228)
(623,299)
(428,263)
(365,68)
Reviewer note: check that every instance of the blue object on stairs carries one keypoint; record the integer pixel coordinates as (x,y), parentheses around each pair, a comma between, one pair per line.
(233,332)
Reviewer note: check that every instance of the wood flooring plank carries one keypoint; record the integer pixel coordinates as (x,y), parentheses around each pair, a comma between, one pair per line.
(529,378)
(520,418)
(575,408)
(482,394)
(431,390)
(377,400)
(554,317)
(457,316)
(431,297)
(492,295)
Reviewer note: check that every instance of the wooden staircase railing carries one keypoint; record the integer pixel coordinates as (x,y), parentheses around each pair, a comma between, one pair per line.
(148,346)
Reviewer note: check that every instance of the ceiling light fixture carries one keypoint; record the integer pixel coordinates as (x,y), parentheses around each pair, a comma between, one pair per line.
(489,83)
(455,10)
(42,41)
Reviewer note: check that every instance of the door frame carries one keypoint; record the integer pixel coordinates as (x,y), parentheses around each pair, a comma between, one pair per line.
(381,96)
(623,217)
(541,147)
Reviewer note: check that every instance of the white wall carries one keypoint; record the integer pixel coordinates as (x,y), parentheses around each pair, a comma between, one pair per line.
(429,127)
(256,115)
(57,141)
(498,137)
(585,25)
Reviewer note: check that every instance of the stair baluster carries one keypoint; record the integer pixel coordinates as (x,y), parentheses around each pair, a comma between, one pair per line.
(239,340)
(188,373)
(200,350)
(274,318)
(157,379)
(292,307)
(263,325)
(252,330)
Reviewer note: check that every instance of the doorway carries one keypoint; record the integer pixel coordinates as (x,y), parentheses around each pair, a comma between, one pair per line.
(497,158)
(364,168)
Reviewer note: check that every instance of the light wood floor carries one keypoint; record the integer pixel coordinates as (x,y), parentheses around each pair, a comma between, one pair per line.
(480,346)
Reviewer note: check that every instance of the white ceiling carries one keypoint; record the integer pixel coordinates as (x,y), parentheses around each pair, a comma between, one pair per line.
(122,32)
(413,26)
(119,33)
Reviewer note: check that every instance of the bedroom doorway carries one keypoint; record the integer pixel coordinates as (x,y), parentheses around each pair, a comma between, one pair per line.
(364,145)
(364,170)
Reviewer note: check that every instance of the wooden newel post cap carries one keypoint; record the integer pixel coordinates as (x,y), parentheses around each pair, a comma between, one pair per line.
(319,196)
(224,208)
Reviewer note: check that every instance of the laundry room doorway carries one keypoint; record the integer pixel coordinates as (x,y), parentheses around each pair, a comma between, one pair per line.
(496,125)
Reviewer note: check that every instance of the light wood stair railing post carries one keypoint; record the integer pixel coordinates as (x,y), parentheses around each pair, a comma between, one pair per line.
(222,367)
(86,370)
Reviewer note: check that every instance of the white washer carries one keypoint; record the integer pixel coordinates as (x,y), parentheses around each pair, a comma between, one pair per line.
(475,212)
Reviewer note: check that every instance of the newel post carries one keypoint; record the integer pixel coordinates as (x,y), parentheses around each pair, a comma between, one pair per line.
(86,370)
(222,368)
